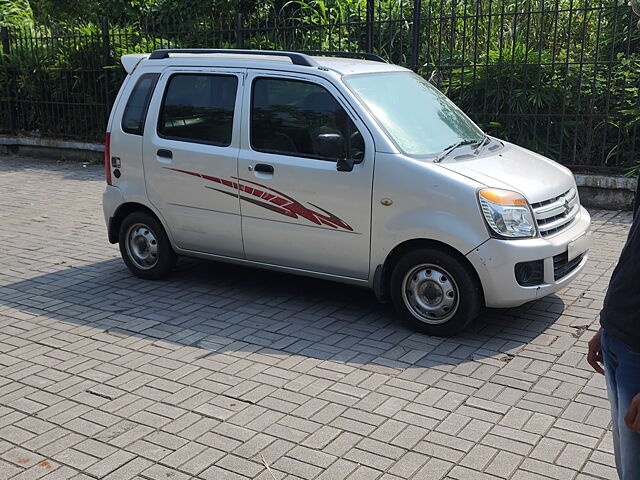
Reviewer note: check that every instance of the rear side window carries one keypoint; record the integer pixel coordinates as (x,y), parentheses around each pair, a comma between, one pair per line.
(136,110)
(287,117)
(199,108)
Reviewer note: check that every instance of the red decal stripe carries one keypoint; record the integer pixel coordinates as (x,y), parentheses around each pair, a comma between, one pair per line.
(195,174)
(213,179)
(280,203)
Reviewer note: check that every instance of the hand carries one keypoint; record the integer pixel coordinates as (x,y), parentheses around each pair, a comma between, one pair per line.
(594,357)
(632,418)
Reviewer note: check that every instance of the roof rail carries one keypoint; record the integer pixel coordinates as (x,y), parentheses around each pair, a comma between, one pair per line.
(366,56)
(297,58)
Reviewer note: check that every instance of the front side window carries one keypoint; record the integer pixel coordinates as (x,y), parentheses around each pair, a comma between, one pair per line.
(291,117)
(136,110)
(199,108)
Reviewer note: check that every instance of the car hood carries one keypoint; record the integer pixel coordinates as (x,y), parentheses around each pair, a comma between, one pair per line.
(514,168)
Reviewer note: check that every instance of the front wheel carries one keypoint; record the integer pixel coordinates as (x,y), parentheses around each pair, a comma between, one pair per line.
(145,247)
(435,291)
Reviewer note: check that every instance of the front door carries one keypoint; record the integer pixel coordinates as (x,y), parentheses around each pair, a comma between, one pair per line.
(190,157)
(297,209)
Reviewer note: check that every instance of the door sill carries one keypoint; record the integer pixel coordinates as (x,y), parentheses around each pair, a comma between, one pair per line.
(269,266)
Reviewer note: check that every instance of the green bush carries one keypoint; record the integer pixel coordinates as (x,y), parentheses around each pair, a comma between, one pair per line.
(558,77)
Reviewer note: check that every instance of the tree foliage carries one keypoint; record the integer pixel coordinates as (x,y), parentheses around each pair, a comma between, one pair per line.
(135,11)
(15,13)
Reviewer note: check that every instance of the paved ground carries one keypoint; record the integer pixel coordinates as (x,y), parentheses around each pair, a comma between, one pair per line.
(228,373)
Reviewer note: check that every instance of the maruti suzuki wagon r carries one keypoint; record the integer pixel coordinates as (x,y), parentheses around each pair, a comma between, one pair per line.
(347,169)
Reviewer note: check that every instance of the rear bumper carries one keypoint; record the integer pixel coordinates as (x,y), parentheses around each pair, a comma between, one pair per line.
(495,262)
(112,198)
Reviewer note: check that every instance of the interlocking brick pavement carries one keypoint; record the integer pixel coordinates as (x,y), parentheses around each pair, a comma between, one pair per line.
(223,372)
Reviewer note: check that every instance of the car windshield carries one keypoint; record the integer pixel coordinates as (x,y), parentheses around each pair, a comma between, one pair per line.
(420,119)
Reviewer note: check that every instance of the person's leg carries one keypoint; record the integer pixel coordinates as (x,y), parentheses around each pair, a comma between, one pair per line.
(610,366)
(625,382)
(628,382)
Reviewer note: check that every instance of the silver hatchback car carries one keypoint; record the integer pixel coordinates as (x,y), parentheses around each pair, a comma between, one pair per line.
(348,169)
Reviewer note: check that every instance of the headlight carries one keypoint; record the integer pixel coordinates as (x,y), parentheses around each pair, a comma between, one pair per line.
(507,213)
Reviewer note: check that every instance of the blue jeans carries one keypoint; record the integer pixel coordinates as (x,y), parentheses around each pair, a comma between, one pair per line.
(622,373)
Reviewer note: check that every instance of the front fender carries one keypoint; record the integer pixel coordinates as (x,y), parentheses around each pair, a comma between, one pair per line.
(428,203)
(441,226)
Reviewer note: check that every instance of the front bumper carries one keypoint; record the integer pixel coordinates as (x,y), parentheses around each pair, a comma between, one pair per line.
(495,262)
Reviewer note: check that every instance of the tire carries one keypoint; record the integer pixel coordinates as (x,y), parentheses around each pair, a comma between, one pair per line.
(435,292)
(145,247)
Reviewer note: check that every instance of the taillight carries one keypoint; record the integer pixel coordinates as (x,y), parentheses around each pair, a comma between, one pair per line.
(107,157)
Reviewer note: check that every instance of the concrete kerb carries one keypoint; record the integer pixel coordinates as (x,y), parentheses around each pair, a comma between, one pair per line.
(615,193)
(51,148)
(597,191)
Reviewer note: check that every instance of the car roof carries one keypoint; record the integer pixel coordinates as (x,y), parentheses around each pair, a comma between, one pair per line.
(259,59)
(347,66)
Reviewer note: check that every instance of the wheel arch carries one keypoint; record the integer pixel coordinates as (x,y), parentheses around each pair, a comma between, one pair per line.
(122,212)
(382,280)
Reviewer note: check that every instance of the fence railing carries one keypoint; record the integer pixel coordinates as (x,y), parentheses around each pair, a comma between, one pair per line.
(561,77)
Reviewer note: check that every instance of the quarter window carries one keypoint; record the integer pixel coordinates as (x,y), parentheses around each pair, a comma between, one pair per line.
(288,116)
(136,110)
(199,108)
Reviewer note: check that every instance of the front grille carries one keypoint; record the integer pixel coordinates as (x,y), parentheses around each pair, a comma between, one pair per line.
(555,214)
(563,267)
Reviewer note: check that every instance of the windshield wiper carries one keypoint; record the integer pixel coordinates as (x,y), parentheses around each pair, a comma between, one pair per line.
(485,141)
(452,147)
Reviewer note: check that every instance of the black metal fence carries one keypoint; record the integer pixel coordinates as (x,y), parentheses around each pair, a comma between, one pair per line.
(561,77)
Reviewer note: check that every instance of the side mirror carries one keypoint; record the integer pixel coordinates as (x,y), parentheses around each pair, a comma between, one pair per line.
(345,164)
(329,145)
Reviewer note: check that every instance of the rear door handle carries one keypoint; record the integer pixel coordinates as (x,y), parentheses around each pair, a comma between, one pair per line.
(163,153)
(264,168)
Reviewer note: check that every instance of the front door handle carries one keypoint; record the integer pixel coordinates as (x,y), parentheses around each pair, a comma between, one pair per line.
(264,168)
(163,153)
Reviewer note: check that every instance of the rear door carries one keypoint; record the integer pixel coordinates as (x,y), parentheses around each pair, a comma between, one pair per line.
(297,209)
(190,150)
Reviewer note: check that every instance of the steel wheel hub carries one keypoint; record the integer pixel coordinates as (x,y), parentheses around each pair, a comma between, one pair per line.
(142,246)
(430,293)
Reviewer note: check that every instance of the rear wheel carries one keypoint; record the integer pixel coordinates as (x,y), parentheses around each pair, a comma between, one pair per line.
(435,291)
(145,247)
